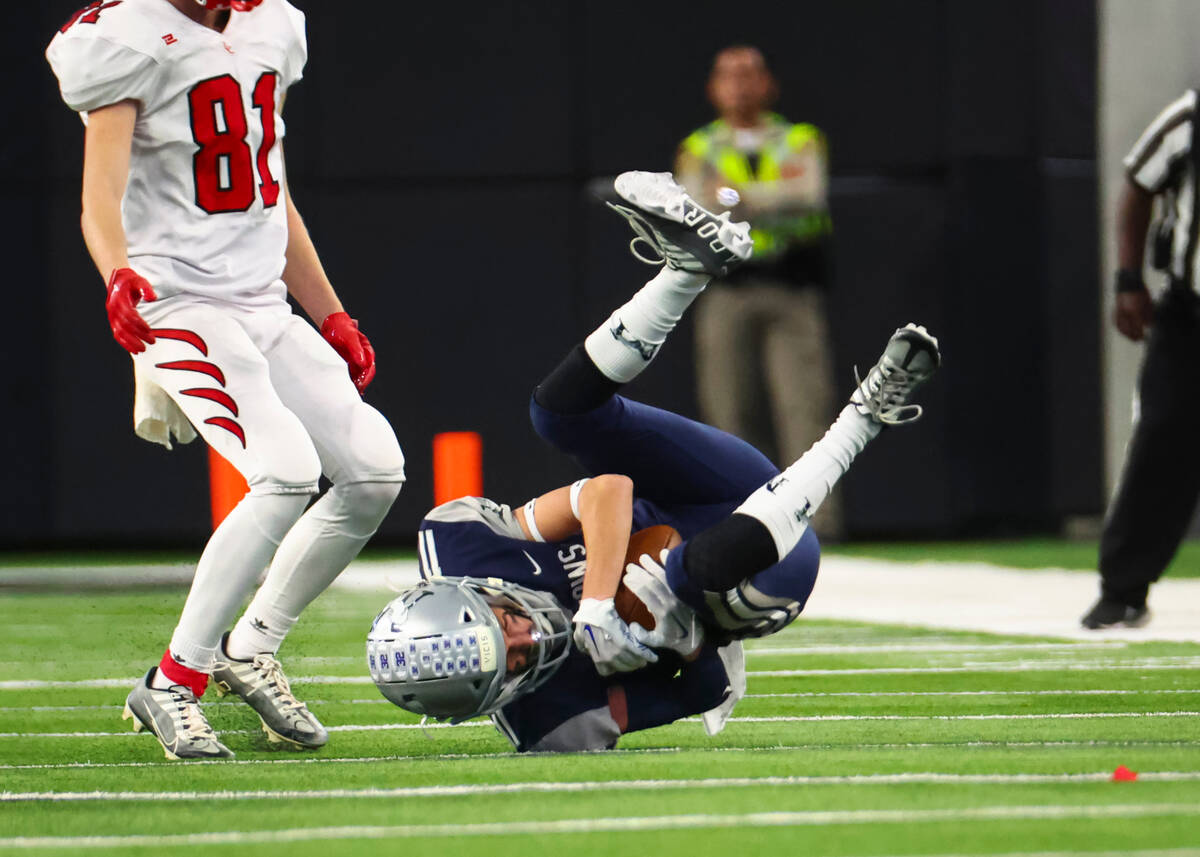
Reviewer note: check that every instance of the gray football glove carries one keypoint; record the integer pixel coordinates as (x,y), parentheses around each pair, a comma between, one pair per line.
(675,624)
(612,645)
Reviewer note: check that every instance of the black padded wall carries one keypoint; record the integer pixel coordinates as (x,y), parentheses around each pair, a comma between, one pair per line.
(441,159)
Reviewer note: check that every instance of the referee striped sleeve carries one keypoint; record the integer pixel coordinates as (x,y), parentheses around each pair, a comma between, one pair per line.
(1163,144)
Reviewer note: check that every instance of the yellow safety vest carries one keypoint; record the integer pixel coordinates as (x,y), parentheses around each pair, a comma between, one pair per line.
(713,144)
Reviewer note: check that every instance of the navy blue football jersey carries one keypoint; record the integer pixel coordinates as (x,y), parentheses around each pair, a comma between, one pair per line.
(475,537)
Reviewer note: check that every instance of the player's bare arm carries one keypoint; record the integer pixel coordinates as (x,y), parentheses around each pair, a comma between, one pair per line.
(605,514)
(605,517)
(307,282)
(304,274)
(107,145)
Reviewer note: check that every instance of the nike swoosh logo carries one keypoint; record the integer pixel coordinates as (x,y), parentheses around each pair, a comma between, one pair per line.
(537,569)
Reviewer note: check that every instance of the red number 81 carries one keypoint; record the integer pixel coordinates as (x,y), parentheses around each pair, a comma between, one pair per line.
(223,166)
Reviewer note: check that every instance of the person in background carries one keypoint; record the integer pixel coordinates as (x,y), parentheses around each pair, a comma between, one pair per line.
(764,361)
(1157,493)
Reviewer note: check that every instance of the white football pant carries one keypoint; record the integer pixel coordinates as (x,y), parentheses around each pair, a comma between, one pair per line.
(265,390)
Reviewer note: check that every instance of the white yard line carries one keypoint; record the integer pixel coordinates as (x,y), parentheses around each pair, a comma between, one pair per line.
(43,684)
(1080,715)
(874,694)
(568,787)
(639,751)
(1144,852)
(606,825)
(365,727)
(815,718)
(866,694)
(756,648)
(1166,662)
(1171,663)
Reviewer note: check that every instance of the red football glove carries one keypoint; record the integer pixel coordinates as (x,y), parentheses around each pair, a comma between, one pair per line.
(125,290)
(341,331)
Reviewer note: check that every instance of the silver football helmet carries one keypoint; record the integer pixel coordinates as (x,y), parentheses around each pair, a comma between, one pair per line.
(438,648)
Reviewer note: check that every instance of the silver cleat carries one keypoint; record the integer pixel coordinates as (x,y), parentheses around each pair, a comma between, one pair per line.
(262,684)
(684,235)
(910,358)
(175,719)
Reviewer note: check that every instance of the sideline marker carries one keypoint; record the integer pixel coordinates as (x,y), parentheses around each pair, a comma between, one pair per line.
(457,466)
(227,487)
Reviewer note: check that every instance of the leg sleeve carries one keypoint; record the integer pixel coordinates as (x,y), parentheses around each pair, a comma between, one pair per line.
(362,458)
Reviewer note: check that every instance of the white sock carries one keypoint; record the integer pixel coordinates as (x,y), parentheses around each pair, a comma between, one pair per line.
(314,552)
(625,344)
(786,503)
(160,681)
(233,559)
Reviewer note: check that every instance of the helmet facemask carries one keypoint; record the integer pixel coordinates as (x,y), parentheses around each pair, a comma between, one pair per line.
(551,637)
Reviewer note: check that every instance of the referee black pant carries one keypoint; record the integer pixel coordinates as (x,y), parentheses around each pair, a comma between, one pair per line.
(1160,483)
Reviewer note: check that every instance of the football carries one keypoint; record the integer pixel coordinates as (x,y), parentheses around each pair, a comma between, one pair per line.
(651,540)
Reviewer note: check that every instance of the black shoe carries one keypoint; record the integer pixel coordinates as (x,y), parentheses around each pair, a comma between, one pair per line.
(1115,614)
(685,235)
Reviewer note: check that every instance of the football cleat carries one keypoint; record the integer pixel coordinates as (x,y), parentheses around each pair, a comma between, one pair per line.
(263,686)
(174,717)
(910,358)
(1107,613)
(684,235)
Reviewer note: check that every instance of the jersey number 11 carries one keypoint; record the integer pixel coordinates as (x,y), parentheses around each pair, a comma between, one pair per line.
(224,165)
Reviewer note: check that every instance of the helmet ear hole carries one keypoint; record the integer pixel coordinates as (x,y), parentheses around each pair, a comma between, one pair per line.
(467,616)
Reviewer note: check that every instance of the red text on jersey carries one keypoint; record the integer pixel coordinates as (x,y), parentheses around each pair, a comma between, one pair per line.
(223,165)
(89,14)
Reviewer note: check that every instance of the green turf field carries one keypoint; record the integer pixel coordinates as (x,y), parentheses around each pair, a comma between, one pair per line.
(854,740)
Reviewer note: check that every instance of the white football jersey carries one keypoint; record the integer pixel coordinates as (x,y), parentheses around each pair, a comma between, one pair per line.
(204,209)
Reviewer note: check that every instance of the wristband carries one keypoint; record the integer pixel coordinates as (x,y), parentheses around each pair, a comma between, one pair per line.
(1129,281)
(576,487)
